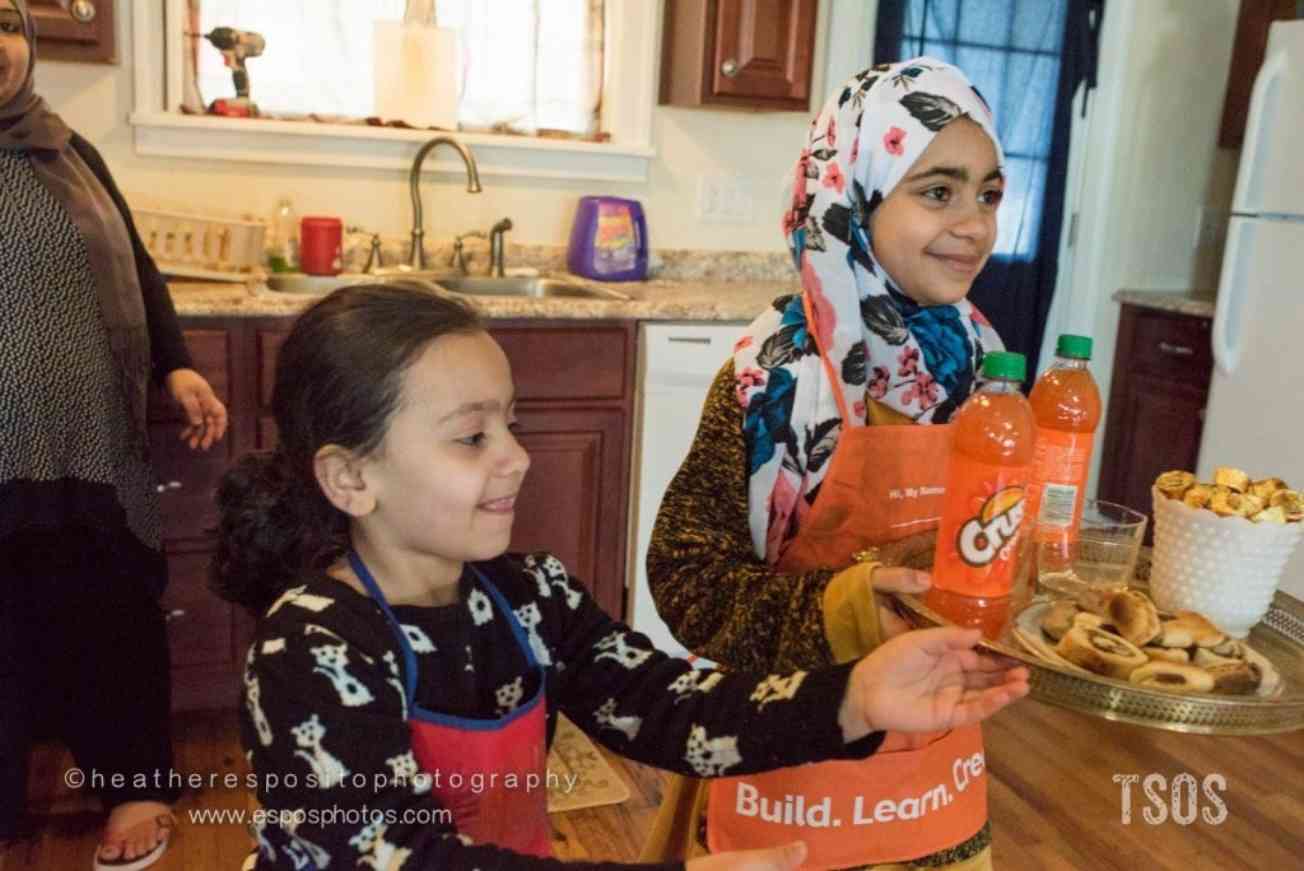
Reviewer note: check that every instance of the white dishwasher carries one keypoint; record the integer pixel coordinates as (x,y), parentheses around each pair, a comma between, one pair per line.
(676,364)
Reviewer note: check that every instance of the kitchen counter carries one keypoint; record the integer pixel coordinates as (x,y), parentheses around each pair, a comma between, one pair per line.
(1186,303)
(651,300)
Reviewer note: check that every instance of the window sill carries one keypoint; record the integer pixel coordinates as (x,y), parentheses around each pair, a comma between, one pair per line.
(348,145)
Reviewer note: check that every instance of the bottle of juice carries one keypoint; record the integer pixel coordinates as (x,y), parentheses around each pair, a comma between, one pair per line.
(983,512)
(1066,403)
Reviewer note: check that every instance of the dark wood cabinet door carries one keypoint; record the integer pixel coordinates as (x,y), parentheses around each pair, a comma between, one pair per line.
(188,479)
(75,30)
(763,50)
(573,502)
(207,636)
(747,53)
(1163,433)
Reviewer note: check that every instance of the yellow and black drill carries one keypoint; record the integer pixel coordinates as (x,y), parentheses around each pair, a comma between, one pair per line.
(236,46)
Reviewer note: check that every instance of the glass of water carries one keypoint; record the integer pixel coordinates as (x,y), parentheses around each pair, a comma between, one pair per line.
(1102,556)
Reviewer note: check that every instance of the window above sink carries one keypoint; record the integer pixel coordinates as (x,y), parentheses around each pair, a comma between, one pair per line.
(162,129)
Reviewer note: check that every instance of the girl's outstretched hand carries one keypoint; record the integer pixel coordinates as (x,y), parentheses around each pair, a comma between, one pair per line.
(786,858)
(928,680)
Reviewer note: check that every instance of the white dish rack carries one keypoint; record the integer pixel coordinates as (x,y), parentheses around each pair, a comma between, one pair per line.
(195,246)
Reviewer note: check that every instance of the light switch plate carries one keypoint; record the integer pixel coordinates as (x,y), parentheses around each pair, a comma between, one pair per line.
(724,199)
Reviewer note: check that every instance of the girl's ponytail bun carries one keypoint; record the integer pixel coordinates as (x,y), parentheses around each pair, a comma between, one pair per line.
(272,525)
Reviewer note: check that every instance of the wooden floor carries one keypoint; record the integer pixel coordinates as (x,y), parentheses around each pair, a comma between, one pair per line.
(1054,800)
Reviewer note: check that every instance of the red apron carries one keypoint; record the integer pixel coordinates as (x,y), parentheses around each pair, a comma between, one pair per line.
(489,773)
(920,793)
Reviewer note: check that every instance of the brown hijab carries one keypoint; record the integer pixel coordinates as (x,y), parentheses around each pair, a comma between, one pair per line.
(27,125)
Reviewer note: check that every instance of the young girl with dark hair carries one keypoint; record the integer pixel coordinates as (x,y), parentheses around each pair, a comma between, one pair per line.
(406,675)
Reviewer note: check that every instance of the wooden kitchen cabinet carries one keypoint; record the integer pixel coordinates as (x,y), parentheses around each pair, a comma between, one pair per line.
(206,635)
(1162,366)
(753,54)
(75,30)
(574,402)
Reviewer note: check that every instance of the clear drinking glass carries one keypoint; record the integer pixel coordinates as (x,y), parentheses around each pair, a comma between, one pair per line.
(1102,556)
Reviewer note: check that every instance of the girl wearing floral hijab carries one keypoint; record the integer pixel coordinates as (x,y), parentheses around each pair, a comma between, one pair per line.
(818,469)
(88,325)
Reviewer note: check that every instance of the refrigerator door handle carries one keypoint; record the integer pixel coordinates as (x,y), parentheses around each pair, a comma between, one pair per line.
(1248,195)
(1232,288)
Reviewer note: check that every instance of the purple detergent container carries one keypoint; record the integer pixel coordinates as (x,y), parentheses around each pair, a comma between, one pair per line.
(608,241)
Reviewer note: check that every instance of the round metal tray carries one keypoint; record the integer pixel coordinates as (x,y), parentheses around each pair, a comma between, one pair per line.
(1279,637)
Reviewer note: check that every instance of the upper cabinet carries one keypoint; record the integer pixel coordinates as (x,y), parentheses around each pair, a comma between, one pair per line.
(1251,43)
(752,54)
(74,30)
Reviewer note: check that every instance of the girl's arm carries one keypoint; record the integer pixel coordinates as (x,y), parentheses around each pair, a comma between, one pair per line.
(717,596)
(324,720)
(661,711)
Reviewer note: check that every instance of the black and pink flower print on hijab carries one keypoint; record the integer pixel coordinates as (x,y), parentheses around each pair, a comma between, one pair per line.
(917,360)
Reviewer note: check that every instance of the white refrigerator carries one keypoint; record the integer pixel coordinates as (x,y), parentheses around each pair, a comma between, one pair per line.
(1255,416)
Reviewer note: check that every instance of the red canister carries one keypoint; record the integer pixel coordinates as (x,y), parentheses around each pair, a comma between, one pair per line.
(321,250)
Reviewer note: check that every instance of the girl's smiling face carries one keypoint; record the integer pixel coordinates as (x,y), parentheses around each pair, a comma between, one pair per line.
(934,232)
(448,471)
(15,53)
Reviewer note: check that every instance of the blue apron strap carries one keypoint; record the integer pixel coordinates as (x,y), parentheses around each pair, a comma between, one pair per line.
(517,629)
(409,658)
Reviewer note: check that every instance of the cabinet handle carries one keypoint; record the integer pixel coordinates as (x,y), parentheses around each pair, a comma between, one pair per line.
(170,485)
(729,68)
(174,614)
(1176,350)
(83,10)
(690,340)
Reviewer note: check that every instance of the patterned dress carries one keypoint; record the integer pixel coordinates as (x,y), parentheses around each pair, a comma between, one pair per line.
(324,703)
(64,424)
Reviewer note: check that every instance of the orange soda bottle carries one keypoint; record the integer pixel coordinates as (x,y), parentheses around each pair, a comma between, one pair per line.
(983,511)
(1066,403)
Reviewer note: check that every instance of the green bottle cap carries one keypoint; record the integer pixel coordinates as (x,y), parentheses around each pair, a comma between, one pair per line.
(1075,347)
(1004,365)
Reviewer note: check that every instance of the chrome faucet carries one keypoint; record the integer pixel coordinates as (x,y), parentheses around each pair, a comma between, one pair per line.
(417,259)
(496,245)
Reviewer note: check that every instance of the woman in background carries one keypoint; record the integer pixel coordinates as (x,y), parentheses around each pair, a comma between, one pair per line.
(88,324)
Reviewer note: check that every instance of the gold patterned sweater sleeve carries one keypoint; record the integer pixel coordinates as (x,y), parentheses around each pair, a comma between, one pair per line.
(718,598)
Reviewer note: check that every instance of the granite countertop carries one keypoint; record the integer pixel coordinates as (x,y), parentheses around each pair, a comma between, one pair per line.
(690,300)
(1194,303)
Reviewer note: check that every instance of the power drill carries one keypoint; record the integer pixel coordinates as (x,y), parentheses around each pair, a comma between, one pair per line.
(236,46)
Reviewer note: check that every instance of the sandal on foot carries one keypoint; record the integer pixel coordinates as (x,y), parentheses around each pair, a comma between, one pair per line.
(165,823)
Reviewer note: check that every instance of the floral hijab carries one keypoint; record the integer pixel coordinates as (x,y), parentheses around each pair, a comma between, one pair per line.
(917,360)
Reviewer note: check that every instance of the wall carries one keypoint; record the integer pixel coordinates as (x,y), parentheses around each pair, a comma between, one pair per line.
(1151,164)
(758,148)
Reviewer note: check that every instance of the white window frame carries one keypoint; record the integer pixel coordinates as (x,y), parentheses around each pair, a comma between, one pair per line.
(632,40)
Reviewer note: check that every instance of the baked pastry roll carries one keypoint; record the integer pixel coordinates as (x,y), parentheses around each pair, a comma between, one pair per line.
(1101,652)
(1173,676)
(1135,617)
(1232,478)
(1174,484)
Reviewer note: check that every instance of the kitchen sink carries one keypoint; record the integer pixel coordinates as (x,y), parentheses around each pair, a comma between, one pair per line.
(528,287)
(298,282)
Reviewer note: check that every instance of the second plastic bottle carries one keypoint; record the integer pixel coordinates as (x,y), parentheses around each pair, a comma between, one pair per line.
(984,510)
(1066,403)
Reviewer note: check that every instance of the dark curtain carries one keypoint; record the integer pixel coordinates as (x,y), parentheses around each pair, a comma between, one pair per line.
(993,42)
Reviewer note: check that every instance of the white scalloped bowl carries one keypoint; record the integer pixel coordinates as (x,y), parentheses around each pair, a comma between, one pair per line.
(1227,568)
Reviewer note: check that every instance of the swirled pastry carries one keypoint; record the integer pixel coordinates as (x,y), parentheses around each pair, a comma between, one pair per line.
(1101,652)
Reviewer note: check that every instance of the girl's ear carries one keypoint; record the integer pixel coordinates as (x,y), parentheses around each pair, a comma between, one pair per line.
(339,474)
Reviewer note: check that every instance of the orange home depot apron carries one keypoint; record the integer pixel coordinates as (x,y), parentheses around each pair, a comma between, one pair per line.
(920,793)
